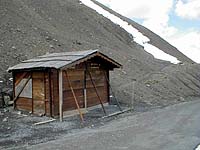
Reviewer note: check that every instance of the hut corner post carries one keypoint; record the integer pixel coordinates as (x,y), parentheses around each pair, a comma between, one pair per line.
(13,75)
(85,87)
(61,94)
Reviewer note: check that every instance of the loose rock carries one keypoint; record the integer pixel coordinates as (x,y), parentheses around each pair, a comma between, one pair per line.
(5,119)
(19,112)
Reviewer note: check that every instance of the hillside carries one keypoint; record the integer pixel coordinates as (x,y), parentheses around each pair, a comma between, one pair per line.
(32,28)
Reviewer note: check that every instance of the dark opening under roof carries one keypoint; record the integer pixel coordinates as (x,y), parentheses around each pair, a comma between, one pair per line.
(62,60)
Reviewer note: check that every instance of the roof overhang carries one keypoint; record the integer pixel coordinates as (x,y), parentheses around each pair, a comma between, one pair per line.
(62,60)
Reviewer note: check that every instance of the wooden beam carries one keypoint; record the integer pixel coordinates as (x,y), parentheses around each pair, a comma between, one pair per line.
(14,79)
(96,91)
(16,97)
(85,97)
(75,99)
(20,78)
(117,113)
(50,93)
(43,122)
(60,78)
(85,89)
(45,97)
(32,92)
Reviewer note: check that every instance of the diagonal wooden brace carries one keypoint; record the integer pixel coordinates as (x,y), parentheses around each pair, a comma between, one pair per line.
(16,97)
(75,99)
(96,92)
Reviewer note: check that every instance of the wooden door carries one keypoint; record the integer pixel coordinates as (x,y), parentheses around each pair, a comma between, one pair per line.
(38,93)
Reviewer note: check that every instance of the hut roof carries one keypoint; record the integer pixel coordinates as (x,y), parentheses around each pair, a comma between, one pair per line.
(61,60)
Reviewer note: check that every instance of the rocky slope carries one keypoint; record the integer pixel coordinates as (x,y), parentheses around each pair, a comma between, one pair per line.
(31,28)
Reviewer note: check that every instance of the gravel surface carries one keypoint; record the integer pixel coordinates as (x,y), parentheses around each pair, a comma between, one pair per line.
(17,128)
(172,128)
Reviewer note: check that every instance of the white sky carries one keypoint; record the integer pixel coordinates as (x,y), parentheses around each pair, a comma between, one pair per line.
(188,10)
(157,15)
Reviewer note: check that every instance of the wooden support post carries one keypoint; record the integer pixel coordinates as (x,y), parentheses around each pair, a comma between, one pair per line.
(112,91)
(32,109)
(14,80)
(96,92)
(50,93)
(76,101)
(85,98)
(16,97)
(61,95)
(85,90)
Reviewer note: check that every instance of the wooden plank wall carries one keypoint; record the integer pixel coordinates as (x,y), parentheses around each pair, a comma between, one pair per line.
(76,77)
(22,103)
(99,79)
(42,88)
(55,92)
(38,93)
(41,93)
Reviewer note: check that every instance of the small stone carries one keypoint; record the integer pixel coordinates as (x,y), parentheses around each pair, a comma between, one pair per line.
(124,72)
(9,128)
(102,123)
(148,85)
(18,30)
(19,112)
(5,119)
(55,40)
(51,46)
(182,99)
(13,47)
(6,110)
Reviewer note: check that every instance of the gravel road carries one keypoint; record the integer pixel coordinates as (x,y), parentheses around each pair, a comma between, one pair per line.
(172,128)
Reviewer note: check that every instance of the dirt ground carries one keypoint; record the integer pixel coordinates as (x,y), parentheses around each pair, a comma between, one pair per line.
(17,128)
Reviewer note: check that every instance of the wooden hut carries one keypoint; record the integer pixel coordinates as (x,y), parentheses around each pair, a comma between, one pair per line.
(58,82)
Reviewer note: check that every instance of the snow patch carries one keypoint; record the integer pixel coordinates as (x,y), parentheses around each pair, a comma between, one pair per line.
(198,148)
(137,36)
(160,54)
